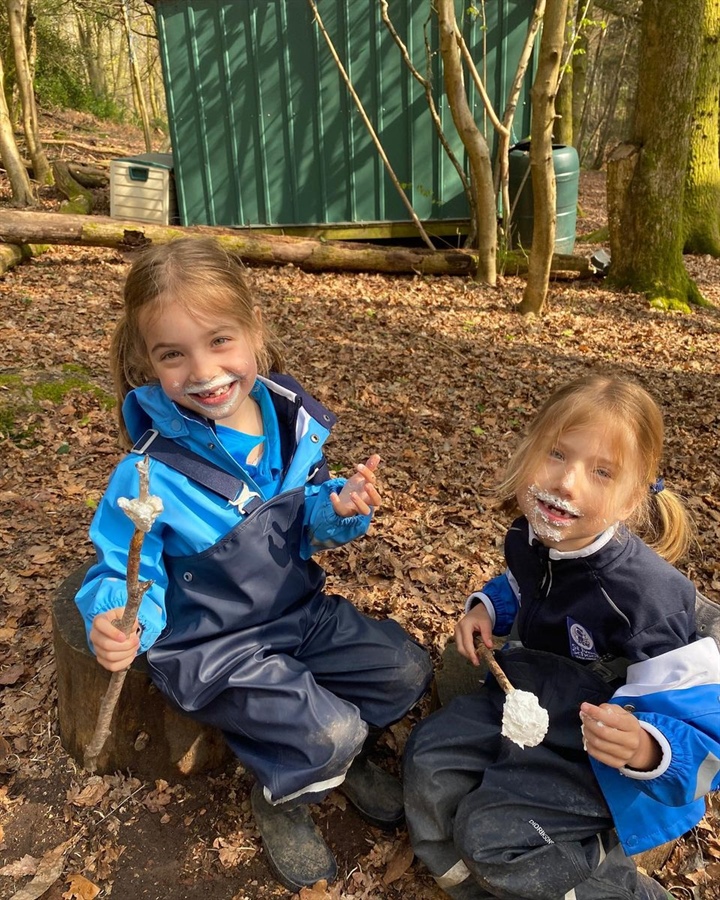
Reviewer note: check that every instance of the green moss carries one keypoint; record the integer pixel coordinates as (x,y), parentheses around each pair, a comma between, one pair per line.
(56,390)
(599,236)
(21,398)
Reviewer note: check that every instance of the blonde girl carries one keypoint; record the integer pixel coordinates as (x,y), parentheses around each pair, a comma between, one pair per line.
(237,628)
(602,630)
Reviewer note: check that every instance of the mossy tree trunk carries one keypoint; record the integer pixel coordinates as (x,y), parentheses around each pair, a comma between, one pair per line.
(646,178)
(702,186)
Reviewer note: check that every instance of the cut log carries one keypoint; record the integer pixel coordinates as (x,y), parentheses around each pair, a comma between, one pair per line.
(79,199)
(148,736)
(255,247)
(89,176)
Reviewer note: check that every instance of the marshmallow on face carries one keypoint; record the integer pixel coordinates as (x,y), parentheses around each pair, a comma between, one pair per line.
(577,491)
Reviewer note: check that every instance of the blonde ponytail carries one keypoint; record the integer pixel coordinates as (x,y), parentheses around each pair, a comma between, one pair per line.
(665,524)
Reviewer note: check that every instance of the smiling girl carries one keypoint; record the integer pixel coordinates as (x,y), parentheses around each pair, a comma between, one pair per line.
(237,627)
(603,633)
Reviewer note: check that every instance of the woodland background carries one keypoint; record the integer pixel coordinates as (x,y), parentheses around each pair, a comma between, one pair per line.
(437,374)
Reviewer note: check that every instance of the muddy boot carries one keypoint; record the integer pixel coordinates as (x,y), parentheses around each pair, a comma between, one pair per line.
(296,851)
(376,794)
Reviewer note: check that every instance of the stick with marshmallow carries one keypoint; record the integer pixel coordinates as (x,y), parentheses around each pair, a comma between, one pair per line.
(524,721)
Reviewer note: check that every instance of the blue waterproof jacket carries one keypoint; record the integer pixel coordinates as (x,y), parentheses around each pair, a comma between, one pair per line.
(618,599)
(194,519)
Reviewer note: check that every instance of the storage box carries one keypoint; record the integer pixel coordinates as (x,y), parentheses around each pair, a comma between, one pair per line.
(143,188)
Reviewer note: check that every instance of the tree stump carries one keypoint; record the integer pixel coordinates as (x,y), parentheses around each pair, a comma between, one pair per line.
(456,675)
(148,736)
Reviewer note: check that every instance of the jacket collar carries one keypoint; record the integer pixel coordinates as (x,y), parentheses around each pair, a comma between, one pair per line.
(600,541)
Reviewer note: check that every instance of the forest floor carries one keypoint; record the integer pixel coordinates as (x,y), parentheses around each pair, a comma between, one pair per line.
(439,376)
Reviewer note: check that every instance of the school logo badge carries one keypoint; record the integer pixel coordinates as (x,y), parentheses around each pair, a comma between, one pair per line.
(582,644)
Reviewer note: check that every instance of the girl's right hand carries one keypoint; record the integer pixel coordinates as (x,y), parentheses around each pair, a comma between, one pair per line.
(477,621)
(114,650)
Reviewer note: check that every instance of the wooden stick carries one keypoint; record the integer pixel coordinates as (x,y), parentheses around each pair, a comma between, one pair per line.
(135,592)
(494,666)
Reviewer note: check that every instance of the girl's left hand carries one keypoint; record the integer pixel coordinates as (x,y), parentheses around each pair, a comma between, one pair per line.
(359,495)
(613,736)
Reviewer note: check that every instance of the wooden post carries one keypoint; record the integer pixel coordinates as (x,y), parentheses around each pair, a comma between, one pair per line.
(148,737)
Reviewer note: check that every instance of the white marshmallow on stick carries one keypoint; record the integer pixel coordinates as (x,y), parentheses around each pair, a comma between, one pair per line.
(524,721)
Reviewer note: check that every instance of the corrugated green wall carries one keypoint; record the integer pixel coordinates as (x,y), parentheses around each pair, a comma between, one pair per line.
(265,133)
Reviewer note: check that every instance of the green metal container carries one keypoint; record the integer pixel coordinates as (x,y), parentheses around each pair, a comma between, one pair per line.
(265,133)
(566,166)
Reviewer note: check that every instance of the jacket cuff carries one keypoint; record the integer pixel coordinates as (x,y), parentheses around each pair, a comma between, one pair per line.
(664,764)
(478,597)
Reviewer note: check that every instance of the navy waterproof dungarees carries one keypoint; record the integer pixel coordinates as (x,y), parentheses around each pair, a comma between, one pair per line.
(253,646)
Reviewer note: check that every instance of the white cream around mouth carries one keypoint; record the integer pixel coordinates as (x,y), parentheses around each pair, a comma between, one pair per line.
(215,399)
(550,515)
(210,388)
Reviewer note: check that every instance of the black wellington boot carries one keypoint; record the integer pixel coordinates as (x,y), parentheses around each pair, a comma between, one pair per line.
(295,849)
(376,794)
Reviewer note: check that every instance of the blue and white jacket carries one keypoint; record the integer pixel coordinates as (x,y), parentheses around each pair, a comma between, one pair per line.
(618,599)
(193,518)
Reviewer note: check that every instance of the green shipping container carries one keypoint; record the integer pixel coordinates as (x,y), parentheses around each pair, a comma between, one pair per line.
(265,133)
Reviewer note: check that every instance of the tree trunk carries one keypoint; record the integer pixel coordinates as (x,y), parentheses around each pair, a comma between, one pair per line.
(13,254)
(91,39)
(16,23)
(474,143)
(20,187)
(516,262)
(701,215)
(579,63)
(543,94)
(426,84)
(137,83)
(502,169)
(610,107)
(79,199)
(89,176)
(646,234)
(563,130)
(148,737)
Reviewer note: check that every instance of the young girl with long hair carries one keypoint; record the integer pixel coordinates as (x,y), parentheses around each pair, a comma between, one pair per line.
(238,630)
(602,630)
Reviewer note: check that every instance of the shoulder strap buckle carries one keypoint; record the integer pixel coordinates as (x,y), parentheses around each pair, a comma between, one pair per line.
(145,441)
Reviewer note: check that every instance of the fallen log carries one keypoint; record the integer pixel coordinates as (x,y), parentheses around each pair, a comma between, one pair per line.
(12,254)
(260,248)
(515,262)
(256,248)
